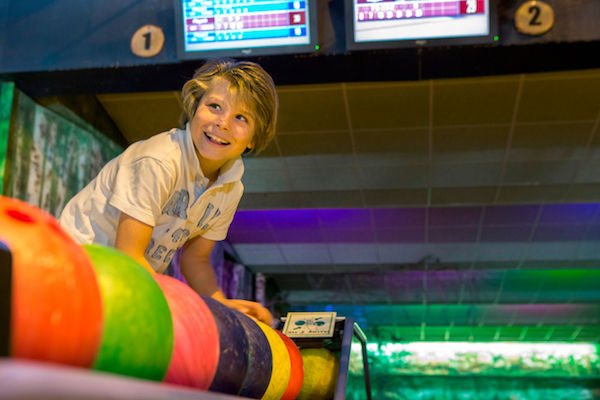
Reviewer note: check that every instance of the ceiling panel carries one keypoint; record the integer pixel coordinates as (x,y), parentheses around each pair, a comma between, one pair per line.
(385,105)
(140,115)
(311,108)
(271,200)
(475,101)
(403,145)
(470,144)
(550,141)
(462,195)
(338,178)
(583,192)
(315,143)
(466,175)
(559,98)
(328,199)
(587,171)
(533,193)
(268,180)
(396,197)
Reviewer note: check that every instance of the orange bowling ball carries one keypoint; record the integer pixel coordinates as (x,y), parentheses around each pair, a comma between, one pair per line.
(56,309)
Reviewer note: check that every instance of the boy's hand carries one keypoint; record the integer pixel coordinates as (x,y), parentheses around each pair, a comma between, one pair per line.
(250,308)
(199,274)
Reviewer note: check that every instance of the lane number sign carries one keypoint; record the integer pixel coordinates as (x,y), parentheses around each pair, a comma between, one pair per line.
(534,18)
(147,41)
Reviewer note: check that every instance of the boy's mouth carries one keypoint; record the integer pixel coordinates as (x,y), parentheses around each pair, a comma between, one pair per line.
(217,140)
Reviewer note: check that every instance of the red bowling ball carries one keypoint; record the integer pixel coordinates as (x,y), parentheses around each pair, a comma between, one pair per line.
(196,349)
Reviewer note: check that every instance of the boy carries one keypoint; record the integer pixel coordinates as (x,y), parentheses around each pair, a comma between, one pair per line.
(182,187)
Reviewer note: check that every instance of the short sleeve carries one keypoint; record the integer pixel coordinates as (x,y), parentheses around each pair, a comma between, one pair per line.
(141,188)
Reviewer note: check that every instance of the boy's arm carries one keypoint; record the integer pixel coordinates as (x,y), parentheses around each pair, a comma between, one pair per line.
(198,272)
(133,237)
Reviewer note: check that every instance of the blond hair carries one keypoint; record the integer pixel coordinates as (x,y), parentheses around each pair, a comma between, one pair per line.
(252,82)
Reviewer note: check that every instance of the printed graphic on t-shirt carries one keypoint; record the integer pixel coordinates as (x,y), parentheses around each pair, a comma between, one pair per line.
(160,252)
(163,250)
(206,215)
(178,204)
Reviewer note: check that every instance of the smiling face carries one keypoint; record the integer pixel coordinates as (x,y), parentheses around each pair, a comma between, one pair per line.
(222,127)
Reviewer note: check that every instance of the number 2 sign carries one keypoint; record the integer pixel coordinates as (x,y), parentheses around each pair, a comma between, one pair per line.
(147,41)
(534,18)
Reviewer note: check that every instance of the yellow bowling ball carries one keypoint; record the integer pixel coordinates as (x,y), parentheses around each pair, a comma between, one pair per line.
(282,366)
(320,374)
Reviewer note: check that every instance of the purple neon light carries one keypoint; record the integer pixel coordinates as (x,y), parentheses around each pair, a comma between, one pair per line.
(519,223)
(345,218)
(292,219)
(511,215)
(449,216)
(574,214)
(398,217)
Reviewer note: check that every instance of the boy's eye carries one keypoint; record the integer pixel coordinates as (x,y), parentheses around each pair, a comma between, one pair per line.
(241,118)
(215,106)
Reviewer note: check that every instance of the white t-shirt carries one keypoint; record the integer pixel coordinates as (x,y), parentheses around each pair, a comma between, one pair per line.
(159,182)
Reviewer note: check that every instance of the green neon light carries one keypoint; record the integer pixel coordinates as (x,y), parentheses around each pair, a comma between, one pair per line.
(536,359)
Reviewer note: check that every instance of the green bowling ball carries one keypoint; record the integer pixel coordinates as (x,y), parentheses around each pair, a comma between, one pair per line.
(137,334)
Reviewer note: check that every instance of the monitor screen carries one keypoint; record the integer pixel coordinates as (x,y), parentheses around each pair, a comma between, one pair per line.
(399,23)
(209,28)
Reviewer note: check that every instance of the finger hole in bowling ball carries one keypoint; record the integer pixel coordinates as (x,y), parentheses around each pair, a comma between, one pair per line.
(18,215)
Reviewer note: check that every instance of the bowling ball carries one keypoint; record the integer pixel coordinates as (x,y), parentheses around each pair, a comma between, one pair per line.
(137,337)
(233,349)
(320,374)
(260,359)
(280,376)
(56,310)
(297,369)
(196,349)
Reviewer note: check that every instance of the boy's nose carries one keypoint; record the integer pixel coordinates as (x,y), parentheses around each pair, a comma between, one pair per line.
(222,123)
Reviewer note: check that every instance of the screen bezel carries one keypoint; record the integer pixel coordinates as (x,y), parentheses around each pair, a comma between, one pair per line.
(245,52)
(351,44)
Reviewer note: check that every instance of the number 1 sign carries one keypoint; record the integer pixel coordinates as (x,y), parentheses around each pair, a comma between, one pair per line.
(147,41)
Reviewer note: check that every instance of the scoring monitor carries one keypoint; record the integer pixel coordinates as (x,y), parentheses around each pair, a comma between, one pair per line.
(207,28)
(399,23)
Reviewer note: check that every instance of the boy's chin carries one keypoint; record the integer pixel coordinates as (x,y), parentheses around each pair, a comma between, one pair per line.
(218,156)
